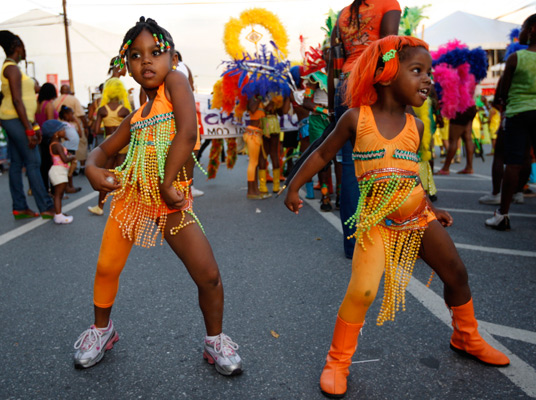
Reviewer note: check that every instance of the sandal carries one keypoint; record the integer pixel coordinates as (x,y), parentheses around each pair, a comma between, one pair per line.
(466,171)
(442,172)
(25,214)
(49,214)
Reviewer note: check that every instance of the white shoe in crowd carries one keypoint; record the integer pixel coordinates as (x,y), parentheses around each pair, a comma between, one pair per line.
(518,198)
(196,192)
(95,210)
(62,219)
(499,221)
(490,198)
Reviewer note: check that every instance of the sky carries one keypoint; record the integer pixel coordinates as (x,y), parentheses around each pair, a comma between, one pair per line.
(197,26)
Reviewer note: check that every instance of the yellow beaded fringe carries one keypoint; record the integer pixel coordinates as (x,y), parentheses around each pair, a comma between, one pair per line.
(144,213)
(382,192)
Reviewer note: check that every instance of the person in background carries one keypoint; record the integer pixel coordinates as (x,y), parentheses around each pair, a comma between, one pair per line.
(517,97)
(358,26)
(17,113)
(46,111)
(73,133)
(114,109)
(54,130)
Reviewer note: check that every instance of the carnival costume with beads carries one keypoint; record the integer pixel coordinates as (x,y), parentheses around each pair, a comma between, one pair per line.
(143,212)
(391,199)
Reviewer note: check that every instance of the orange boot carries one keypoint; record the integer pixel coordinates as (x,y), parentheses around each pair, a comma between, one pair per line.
(339,359)
(467,341)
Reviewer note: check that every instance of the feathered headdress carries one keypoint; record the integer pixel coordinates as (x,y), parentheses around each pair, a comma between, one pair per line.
(514,43)
(410,20)
(457,70)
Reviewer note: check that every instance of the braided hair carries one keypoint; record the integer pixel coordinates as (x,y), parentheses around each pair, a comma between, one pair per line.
(354,12)
(162,38)
(9,42)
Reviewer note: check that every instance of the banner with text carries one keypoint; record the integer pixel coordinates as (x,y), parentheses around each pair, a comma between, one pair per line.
(213,124)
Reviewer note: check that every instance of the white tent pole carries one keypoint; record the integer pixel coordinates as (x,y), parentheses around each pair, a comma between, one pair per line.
(68,45)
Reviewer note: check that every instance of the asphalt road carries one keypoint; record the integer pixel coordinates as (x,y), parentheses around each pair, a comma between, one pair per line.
(281,273)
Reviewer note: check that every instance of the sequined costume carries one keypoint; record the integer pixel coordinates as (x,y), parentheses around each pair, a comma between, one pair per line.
(392,203)
(137,212)
(144,212)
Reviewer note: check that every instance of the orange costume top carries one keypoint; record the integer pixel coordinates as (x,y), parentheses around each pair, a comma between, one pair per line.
(143,212)
(357,39)
(391,198)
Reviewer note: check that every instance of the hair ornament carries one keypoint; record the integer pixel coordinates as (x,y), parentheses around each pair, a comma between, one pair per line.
(156,39)
(389,55)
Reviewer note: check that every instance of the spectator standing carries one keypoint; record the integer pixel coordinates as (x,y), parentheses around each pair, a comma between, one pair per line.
(17,113)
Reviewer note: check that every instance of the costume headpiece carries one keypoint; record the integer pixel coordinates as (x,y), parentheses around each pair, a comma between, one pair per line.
(457,70)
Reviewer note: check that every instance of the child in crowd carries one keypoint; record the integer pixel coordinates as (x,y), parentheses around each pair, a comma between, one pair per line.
(73,133)
(58,172)
(394,220)
(152,195)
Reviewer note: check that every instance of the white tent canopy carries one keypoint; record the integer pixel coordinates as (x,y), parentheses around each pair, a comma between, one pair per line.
(470,29)
(43,35)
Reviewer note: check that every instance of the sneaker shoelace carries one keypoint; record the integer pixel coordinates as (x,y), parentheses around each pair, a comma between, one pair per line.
(89,339)
(224,345)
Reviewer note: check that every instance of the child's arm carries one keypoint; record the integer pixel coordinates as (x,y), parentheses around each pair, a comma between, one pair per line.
(442,216)
(182,99)
(58,150)
(101,113)
(95,171)
(344,131)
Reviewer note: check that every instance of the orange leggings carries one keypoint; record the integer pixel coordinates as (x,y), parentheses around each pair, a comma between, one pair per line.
(368,266)
(253,139)
(113,256)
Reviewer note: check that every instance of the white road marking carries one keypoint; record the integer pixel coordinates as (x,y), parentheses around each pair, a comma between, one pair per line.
(519,372)
(15,233)
(490,213)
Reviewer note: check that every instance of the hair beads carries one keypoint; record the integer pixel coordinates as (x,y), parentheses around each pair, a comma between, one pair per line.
(383,191)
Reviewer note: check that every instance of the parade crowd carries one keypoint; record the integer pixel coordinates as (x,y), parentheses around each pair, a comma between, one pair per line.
(374,110)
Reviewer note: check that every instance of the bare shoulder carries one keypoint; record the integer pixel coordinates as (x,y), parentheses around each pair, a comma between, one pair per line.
(419,124)
(350,118)
(176,82)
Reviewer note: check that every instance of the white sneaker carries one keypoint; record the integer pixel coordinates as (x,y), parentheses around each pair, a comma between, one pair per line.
(490,199)
(196,192)
(220,351)
(62,219)
(518,198)
(92,344)
(499,221)
(95,210)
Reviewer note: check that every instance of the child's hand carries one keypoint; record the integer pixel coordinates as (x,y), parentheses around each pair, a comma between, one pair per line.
(101,179)
(293,201)
(173,198)
(443,217)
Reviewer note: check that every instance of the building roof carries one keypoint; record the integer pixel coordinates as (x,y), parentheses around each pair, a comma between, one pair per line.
(470,29)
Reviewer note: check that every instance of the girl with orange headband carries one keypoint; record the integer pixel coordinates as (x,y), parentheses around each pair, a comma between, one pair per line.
(394,221)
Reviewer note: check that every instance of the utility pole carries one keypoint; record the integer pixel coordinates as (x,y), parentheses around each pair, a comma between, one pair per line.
(68,45)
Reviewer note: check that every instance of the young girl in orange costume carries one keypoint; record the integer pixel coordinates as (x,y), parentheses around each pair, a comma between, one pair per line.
(394,220)
(152,195)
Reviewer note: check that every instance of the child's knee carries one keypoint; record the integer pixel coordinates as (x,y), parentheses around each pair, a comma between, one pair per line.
(361,298)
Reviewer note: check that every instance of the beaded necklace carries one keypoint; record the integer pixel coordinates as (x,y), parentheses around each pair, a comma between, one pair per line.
(383,191)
